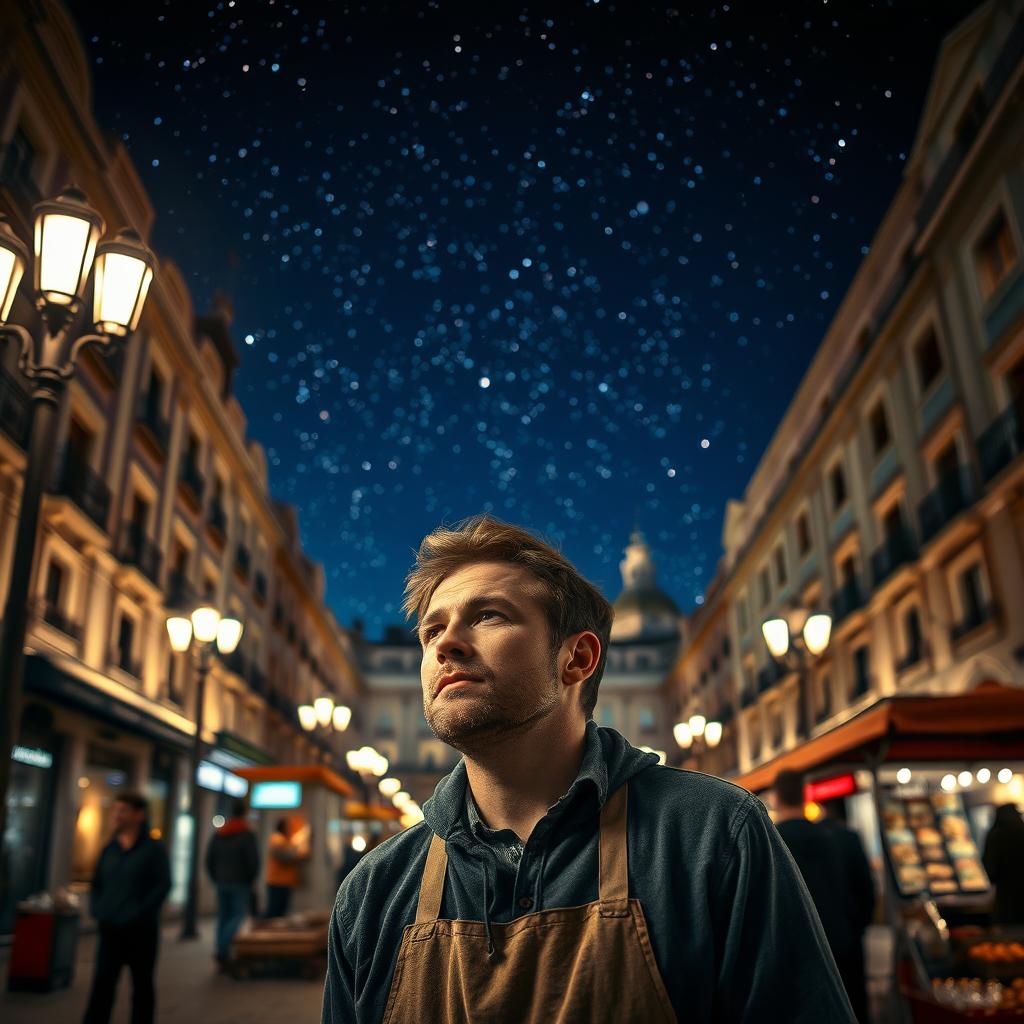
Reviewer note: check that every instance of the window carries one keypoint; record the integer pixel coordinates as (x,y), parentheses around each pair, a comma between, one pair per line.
(947,462)
(879,425)
(824,698)
(766,586)
(125,644)
(803,534)
(912,639)
(742,617)
(995,254)
(780,565)
(928,359)
(837,482)
(847,571)
(861,670)
(972,594)
(607,716)
(646,720)
(54,585)
(1014,379)
(714,664)
(209,587)
(892,524)
(385,725)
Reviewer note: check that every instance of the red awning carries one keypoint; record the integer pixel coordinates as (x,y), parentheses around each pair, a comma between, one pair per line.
(987,722)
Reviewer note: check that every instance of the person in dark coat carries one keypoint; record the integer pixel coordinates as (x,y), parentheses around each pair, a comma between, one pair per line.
(131,882)
(822,858)
(1003,857)
(233,864)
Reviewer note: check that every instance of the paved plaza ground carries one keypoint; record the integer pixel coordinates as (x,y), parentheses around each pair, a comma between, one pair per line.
(188,991)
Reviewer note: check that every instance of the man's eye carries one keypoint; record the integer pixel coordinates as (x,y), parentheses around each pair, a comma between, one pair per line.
(430,632)
(488,613)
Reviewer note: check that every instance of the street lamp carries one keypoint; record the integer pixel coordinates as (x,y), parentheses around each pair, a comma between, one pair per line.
(210,631)
(65,246)
(324,713)
(794,635)
(697,734)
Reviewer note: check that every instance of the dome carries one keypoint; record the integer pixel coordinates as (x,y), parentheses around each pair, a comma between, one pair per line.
(643,609)
(650,600)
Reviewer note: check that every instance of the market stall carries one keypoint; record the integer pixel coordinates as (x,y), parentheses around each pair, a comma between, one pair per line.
(919,778)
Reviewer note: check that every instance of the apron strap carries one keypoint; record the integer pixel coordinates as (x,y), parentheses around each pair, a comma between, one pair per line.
(613,871)
(432,884)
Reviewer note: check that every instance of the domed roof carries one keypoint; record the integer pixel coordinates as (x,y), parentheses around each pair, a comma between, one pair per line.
(643,609)
(649,600)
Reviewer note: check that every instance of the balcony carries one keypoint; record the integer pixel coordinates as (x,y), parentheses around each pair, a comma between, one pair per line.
(217,523)
(951,495)
(1003,440)
(974,619)
(897,549)
(53,616)
(191,483)
(846,600)
(153,427)
(84,487)
(13,409)
(138,550)
(243,562)
(259,588)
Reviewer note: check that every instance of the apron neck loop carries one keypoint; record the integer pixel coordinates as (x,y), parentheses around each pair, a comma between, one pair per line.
(613,877)
(432,884)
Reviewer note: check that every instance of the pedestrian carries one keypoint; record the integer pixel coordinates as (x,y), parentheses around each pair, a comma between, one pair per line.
(282,870)
(130,884)
(1003,857)
(823,858)
(233,864)
(559,872)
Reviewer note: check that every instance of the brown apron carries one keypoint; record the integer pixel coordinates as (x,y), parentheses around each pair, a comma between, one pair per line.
(575,965)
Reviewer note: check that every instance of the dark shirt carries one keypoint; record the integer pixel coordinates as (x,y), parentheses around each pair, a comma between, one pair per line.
(860,885)
(734,933)
(506,845)
(818,854)
(233,858)
(129,886)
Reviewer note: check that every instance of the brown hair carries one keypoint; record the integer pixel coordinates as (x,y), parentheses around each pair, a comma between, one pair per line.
(789,788)
(134,799)
(571,603)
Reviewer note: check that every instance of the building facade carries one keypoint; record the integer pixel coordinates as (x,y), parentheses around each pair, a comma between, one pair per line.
(892,493)
(158,501)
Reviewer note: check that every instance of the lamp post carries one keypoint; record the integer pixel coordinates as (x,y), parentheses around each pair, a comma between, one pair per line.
(66,248)
(697,734)
(790,638)
(210,631)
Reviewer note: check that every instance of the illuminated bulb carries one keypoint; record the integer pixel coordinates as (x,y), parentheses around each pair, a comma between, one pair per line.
(359,843)
(389,787)
(683,736)
(1005,775)
(903,776)
(983,775)
(948,783)
(965,778)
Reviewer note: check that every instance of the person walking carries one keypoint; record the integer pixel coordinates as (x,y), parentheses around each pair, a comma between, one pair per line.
(835,882)
(131,882)
(1003,857)
(559,872)
(282,870)
(233,864)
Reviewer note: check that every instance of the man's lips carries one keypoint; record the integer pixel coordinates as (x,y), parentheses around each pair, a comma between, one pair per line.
(456,677)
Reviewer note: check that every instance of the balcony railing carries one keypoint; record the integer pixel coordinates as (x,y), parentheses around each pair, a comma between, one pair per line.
(897,549)
(846,600)
(13,409)
(1003,440)
(138,550)
(56,618)
(950,496)
(154,426)
(84,487)
(974,619)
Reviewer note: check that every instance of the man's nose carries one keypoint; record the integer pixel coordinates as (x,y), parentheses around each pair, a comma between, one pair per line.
(453,643)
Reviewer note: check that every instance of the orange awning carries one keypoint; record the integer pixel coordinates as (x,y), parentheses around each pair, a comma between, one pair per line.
(355,811)
(309,774)
(987,722)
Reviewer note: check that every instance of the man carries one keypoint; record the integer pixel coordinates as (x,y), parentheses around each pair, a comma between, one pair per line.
(233,863)
(131,882)
(499,906)
(839,884)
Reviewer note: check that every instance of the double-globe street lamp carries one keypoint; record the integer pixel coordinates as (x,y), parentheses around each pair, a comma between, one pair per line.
(210,632)
(66,248)
(790,638)
(323,713)
(697,734)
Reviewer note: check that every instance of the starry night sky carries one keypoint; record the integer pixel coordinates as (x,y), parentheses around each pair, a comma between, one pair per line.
(562,261)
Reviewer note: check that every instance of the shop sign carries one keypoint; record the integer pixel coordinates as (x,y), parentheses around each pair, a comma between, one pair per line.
(830,789)
(212,776)
(277,795)
(33,756)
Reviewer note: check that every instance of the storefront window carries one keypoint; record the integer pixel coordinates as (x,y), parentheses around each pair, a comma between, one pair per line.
(106,773)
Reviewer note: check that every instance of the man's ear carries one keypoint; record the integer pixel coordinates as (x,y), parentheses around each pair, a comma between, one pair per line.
(584,654)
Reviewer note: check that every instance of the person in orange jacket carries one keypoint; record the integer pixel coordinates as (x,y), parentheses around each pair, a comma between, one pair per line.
(282,870)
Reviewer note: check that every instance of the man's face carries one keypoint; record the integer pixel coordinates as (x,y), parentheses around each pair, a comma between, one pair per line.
(488,668)
(126,817)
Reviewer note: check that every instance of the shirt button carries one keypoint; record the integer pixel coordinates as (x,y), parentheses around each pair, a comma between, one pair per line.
(526,902)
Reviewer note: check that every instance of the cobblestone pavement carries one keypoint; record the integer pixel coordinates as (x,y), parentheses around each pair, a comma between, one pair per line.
(188,991)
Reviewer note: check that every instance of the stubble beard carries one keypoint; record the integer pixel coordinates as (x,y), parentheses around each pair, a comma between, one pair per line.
(470,721)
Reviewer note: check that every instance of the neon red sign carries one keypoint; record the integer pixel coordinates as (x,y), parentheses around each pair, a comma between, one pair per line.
(830,789)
